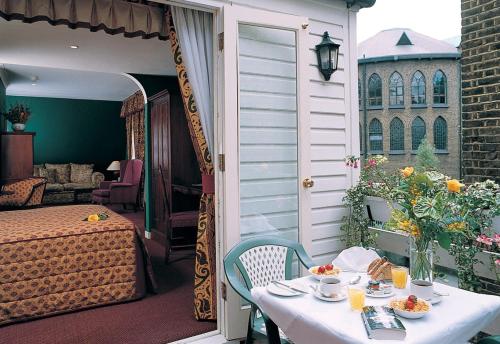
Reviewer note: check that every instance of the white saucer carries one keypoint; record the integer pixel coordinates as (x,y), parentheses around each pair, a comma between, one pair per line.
(339,297)
(379,296)
(435,299)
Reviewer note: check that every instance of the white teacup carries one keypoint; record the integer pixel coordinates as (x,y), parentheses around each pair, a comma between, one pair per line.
(330,286)
(422,289)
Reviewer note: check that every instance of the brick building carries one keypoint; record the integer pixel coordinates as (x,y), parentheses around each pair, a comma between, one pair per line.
(409,87)
(481,89)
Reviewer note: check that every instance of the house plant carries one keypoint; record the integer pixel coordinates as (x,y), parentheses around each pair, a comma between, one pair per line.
(18,116)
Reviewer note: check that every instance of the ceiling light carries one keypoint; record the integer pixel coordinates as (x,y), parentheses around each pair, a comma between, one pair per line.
(73,47)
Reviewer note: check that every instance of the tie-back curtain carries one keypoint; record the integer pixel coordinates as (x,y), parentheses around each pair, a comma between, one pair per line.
(205,302)
(112,16)
(133,112)
(195,34)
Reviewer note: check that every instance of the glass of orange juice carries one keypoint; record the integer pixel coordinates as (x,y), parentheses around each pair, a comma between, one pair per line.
(356,298)
(399,276)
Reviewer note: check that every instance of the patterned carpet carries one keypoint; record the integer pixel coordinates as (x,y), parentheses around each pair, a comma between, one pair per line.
(161,318)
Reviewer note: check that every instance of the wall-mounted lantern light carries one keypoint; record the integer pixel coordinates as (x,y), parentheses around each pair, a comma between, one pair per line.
(328,56)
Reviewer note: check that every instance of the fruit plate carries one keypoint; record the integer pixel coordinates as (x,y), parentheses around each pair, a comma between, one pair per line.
(411,314)
(328,273)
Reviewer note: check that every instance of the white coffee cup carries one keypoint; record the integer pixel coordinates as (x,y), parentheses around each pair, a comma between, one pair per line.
(330,286)
(422,289)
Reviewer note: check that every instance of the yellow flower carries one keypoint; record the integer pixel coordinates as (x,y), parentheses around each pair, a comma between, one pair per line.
(413,202)
(454,185)
(93,218)
(407,171)
(456,226)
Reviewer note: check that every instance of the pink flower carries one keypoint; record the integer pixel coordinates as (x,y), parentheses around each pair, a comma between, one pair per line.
(372,163)
(355,164)
(496,238)
(497,262)
(483,239)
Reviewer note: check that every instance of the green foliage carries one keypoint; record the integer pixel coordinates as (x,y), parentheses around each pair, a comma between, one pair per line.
(18,113)
(426,159)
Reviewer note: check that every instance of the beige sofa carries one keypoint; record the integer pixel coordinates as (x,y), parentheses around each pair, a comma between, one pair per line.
(68,183)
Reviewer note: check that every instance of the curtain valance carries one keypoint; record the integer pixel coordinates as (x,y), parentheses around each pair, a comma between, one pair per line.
(132,104)
(112,16)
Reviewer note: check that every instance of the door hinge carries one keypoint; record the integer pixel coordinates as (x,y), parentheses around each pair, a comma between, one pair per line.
(220,37)
(222,162)
(223,291)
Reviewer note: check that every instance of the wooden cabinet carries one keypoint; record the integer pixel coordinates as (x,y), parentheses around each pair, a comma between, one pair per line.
(16,156)
(172,152)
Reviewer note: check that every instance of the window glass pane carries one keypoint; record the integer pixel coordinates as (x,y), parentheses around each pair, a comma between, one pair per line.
(375,134)
(374,90)
(418,88)
(268,132)
(417,132)
(439,88)
(397,135)
(396,89)
(440,133)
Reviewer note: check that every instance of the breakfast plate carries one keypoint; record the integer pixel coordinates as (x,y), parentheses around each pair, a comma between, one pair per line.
(320,271)
(379,296)
(282,291)
(418,308)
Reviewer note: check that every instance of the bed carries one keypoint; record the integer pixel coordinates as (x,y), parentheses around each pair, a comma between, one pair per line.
(51,261)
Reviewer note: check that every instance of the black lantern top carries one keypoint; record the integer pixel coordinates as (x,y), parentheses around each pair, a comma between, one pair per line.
(328,56)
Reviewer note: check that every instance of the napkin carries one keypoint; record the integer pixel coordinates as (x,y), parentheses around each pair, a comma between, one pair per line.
(355,259)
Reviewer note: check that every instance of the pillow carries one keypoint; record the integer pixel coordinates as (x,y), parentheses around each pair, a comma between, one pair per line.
(62,172)
(50,174)
(82,173)
(36,170)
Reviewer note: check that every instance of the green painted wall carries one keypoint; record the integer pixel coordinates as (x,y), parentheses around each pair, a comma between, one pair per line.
(74,130)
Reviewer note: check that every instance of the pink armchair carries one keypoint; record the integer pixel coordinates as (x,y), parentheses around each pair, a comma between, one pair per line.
(126,190)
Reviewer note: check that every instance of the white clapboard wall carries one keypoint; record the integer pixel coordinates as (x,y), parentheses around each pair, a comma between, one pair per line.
(334,115)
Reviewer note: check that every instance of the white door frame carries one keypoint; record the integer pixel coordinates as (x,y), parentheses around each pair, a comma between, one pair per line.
(235,321)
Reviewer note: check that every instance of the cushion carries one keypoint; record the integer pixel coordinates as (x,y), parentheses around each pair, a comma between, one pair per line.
(49,174)
(81,173)
(54,187)
(77,186)
(36,170)
(101,192)
(62,172)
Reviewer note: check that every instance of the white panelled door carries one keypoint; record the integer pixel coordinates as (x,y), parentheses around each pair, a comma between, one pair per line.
(265,135)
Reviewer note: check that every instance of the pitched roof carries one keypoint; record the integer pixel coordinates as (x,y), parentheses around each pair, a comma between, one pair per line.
(401,43)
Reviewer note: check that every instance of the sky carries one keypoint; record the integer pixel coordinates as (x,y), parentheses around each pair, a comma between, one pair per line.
(435,18)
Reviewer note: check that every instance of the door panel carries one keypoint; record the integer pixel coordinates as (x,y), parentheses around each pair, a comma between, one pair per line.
(266,135)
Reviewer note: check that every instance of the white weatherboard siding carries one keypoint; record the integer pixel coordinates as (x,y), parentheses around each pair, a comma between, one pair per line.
(333,116)
(268,132)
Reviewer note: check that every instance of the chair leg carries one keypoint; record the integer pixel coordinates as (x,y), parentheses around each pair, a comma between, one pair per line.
(273,334)
(251,318)
(168,244)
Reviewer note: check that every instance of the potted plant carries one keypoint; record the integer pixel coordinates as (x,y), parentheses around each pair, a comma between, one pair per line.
(378,186)
(18,116)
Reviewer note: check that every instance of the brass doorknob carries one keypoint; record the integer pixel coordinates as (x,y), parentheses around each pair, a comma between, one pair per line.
(308,183)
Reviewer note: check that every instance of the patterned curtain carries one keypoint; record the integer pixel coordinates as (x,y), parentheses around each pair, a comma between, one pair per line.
(133,112)
(205,302)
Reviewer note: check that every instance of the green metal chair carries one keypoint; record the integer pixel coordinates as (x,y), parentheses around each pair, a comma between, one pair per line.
(490,340)
(260,261)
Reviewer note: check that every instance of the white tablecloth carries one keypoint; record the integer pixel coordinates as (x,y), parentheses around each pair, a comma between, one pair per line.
(307,320)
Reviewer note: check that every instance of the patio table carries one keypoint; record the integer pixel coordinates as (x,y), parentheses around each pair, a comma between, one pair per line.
(305,319)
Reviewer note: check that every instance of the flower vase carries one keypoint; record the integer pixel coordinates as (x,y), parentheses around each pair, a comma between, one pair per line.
(421,264)
(18,126)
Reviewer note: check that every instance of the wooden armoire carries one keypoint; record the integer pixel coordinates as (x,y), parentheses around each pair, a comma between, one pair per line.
(16,156)
(174,167)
